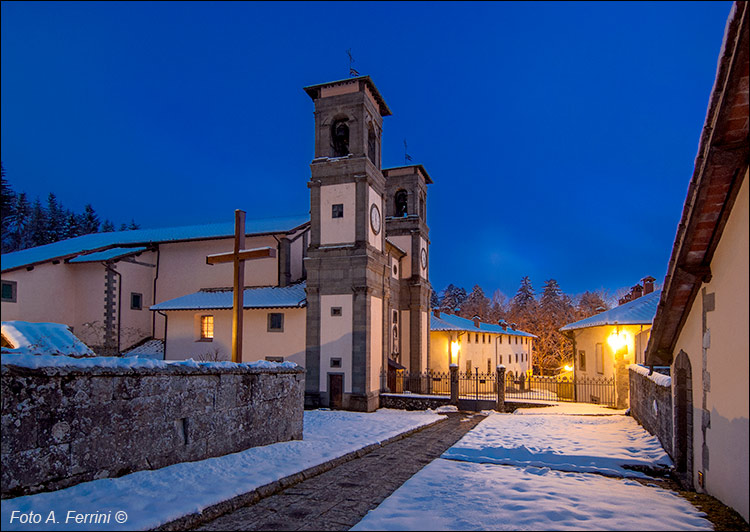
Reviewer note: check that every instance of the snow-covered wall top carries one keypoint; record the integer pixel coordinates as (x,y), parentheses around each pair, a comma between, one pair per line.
(134,363)
(636,312)
(658,378)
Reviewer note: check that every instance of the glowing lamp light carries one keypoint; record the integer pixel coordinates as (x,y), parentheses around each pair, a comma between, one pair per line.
(568,368)
(618,341)
(455,347)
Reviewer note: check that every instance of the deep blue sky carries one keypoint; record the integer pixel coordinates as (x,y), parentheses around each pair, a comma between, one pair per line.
(561,136)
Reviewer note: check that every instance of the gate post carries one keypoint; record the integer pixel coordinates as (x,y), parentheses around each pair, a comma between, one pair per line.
(454,384)
(500,379)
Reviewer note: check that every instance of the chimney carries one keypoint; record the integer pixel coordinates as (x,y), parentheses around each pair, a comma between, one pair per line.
(636,291)
(476,321)
(502,324)
(513,326)
(648,285)
(436,312)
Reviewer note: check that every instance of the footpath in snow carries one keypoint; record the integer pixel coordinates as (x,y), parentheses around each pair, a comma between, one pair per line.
(152,498)
(533,471)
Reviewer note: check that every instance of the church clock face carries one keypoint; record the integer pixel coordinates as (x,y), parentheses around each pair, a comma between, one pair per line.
(424,258)
(375,218)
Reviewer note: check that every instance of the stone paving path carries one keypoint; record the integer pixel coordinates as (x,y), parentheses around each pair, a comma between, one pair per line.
(338,499)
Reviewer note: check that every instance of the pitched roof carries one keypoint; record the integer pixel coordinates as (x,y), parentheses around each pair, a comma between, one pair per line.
(637,312)
(451,322)
(293,296)
(720,168)
(109,254)
(72,247)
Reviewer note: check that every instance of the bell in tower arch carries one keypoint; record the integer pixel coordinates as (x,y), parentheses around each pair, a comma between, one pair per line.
(340,138)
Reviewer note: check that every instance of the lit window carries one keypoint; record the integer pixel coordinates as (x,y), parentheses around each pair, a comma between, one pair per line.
(337,210)
(9,291)
(275,322)
(207,327)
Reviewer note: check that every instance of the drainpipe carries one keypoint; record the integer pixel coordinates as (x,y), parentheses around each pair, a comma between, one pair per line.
(119,301)
(166,322)
(156,277)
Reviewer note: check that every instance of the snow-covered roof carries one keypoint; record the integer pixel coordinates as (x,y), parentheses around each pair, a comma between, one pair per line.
(42,339)
(451,322)
(637,312)
(104,241)
(267,297)
(109,254)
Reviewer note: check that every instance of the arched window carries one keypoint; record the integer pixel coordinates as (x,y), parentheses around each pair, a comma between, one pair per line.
(402,203)
(340,138)
(371,145)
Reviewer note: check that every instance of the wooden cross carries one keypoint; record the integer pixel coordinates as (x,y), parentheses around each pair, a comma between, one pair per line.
(238,257)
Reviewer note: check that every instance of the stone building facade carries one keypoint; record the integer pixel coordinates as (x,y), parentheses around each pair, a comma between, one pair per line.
(367,262)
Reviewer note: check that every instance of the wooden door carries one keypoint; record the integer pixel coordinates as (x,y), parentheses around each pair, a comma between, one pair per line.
(335,390)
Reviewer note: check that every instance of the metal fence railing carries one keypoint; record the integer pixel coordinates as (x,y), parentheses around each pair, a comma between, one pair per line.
(484,386)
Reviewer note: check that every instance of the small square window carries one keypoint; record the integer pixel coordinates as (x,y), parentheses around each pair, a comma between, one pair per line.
(275,322)
(275,359)
(136,301)
(335,362)
(476,338)
(9,291)
(207,327)
(337,210)
(335,311)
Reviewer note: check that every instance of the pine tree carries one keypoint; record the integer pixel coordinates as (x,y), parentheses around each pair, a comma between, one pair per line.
(70,228)
(89,221)
(20,230)
(453,298)
(476,304)
(7,212)
(133,226)
(38,225)
(55,220)
(108,227)
(524,298)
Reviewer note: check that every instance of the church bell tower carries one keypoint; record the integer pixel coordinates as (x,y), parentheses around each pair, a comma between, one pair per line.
(346,257)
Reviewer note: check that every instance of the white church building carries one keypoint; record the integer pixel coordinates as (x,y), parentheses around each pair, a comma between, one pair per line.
(346,291)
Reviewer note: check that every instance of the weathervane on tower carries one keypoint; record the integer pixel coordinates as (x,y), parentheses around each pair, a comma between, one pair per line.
(352,71)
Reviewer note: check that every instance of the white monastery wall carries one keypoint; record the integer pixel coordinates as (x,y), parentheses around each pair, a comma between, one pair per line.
(135,324)
(404,242)
(258,343)
(376,342)
(183,269)
(336,339)
(337,230)
(44,294)
(726,340)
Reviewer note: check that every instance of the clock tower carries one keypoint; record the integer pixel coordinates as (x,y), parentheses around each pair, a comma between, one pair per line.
(346,261)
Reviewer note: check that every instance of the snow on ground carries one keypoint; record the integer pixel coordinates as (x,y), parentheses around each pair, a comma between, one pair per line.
(43,339)
(578,409)
(450,495)
(592,444)
(153,349)
(152,498)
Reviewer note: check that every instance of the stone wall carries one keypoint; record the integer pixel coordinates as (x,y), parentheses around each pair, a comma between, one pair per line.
(65,425)
(651,404)
(409,402)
